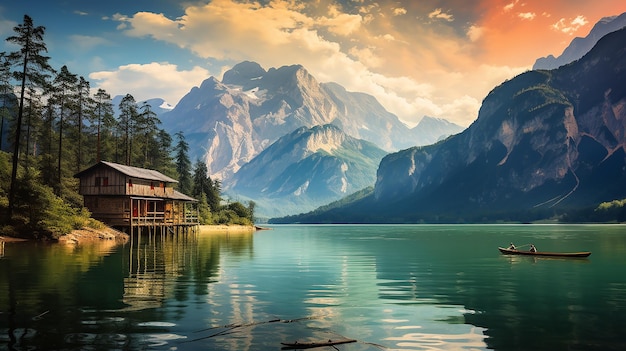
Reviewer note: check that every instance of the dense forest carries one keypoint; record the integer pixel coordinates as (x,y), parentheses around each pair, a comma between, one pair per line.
(53,125)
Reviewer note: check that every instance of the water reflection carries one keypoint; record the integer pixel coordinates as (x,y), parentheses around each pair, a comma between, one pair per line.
(403,288)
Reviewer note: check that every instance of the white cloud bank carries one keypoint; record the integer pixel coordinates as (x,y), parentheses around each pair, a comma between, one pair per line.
(335,46)
(147,81)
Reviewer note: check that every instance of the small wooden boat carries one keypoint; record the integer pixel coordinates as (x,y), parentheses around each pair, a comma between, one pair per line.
(544,253)
(299,345)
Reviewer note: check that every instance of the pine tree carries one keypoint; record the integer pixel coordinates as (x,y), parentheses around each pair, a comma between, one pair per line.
(33,68)
(84,110)
(105,122)
(64,93)
(201,181)
(6,95)
(183,165)
(149,130)
(33,114)
(127,118)
(162,154)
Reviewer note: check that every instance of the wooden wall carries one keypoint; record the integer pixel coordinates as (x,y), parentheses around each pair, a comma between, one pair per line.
(112,210)
(107,181)
(122,210)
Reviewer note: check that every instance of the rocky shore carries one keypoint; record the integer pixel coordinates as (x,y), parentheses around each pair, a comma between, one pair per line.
(89,234)
(86,235)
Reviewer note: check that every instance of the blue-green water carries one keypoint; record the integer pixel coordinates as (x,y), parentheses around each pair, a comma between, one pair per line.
(416,287)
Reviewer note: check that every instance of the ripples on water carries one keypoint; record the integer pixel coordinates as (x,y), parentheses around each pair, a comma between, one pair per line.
(389,287)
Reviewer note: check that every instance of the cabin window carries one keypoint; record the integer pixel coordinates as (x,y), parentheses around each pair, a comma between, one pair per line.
(98,181)
(161,185)
(130,183)
(151,185)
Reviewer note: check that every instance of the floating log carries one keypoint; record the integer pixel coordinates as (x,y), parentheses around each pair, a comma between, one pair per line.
(299,345)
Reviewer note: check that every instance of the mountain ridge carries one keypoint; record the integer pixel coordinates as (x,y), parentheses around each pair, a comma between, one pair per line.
(232,121)
(307,168)
(544,143)
(580,46)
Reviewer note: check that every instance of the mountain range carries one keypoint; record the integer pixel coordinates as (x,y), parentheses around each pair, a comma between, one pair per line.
(229,122)
(580,46)
(281,137)
(545,142)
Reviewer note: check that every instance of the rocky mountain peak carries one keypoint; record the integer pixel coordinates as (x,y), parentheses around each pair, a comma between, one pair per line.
(245,74)
(228,123)
(307,168)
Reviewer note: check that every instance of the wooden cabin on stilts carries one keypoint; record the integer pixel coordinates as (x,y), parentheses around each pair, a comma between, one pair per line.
(131,199)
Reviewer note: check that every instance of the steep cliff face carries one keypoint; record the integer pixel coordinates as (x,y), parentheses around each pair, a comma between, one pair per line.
(228,123)
(307,168)
(542,140)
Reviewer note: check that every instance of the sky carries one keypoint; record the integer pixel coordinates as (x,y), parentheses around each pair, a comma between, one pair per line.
(437,58)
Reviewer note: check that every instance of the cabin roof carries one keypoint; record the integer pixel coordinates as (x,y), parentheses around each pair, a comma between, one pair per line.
(180,196)
(135,172)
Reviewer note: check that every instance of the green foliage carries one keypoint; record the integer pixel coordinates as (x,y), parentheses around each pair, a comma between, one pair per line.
(612,205)
(612,211)
(38,212)
(204,212)
(72,130)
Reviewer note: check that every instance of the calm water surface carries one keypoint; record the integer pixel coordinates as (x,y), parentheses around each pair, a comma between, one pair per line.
(416,287)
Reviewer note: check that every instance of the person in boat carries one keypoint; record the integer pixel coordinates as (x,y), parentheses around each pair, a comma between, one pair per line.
(532,248)
(512,247)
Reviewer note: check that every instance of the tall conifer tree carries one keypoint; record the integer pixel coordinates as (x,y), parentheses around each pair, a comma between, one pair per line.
(183,164)
(33,68)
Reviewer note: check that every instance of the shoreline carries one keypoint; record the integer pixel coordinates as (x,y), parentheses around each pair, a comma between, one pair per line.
(85,235)
(79,236)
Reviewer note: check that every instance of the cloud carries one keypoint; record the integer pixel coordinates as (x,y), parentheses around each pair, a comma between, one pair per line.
(475,32)
(526,15)
(341,24)
(85,42)
(570,27)
(152,80)
(509,6)
(410,68)
(6,27)
(398,11)
(439,14)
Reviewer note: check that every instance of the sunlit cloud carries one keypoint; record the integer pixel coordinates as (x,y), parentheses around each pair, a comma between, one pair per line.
(398,11)
(439,14)
(279,34)
(369,47)
(570,27)
(475,32)
(151,80)
(341,24)
(526,15)
(510,6)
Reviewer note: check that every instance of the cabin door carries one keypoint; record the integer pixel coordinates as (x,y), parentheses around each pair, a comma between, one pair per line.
(135,208)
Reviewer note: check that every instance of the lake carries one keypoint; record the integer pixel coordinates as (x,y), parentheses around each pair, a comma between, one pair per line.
(389,287)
